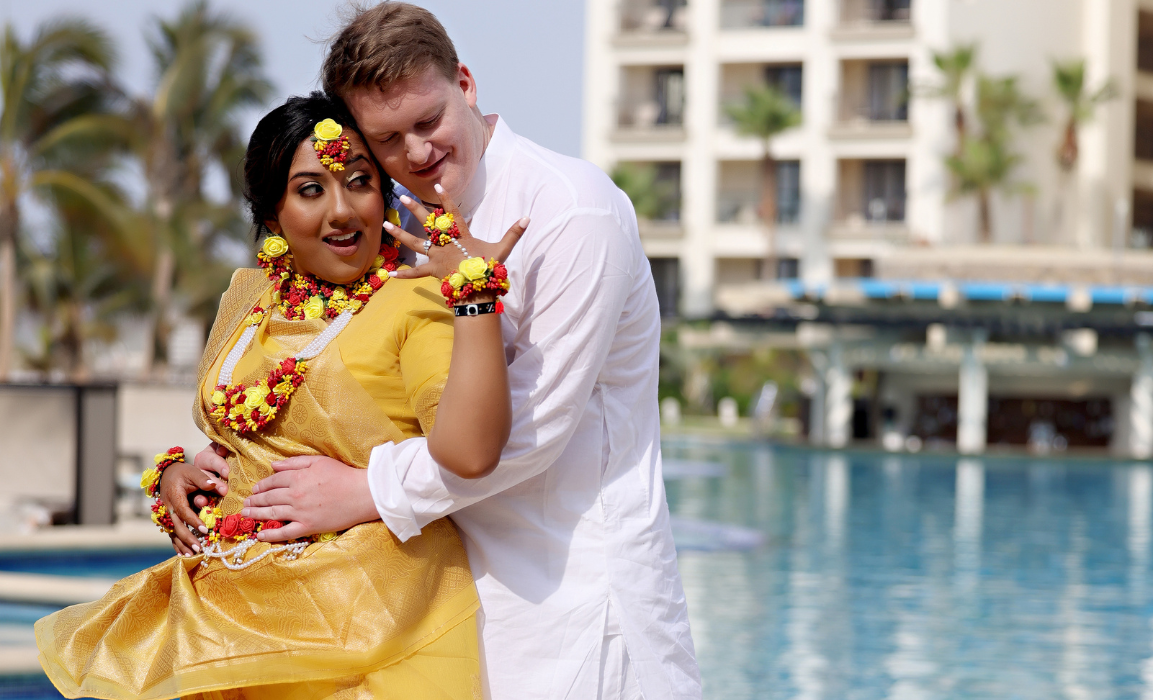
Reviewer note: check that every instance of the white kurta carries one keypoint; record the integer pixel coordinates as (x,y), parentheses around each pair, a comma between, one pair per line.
(569,537)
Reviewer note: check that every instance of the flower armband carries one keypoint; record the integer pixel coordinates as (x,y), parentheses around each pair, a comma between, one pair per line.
(475,276)
(150,482)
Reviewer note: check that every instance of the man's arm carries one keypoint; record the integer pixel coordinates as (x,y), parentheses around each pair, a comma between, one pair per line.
(575,289)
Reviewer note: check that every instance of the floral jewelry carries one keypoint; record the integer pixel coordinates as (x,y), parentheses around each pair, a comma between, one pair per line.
(150,482)
(441,227)
(330,144)
(475,276)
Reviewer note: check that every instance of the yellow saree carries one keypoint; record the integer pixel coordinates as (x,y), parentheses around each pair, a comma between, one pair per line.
(359,616)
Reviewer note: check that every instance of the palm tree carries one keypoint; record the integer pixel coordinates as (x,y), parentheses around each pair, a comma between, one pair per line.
(986,161)
(765,113)
(49,85)
(651,197)
(956,67)
(209,72)
(1081,103)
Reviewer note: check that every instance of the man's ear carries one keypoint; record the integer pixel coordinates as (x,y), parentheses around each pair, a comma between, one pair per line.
(467,84)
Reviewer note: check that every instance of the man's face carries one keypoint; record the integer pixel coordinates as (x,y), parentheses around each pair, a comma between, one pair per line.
(424,130)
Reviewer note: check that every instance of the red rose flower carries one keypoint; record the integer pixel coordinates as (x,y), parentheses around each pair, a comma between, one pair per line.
(270,399)
(389,254)
(289,365)
(374,282)
(174,450)
(272,525)
(230,526)
(247,525)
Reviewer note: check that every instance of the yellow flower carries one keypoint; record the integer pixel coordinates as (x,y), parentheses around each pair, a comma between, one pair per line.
(457,280)
(274,246)
(254,319)
(208,517)
(282,388)
(430,221)
(377,262)
(265,409)
(338,294)
(392,216)
(218,397)
(474,268)
(148,478)
(443,222)
(314,307)
(328,130)
(254,396)
(354,304)
(326,537)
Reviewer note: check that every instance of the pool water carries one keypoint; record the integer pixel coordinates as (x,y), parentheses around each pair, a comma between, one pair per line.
(919,577)
(107,563)
(855,576)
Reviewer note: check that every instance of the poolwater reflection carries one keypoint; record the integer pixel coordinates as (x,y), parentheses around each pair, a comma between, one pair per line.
(918,577)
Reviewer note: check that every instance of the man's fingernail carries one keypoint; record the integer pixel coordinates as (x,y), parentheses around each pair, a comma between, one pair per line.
(438,188)
(392,273)
(524,222)
(203,529)
(404,198)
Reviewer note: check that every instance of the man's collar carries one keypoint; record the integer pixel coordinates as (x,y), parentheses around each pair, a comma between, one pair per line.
(496,157)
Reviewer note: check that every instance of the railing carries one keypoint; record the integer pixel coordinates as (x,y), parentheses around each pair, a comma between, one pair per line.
(747,14)
(745,209)
(872,109)
(876,11)
(649,17)
(649,114)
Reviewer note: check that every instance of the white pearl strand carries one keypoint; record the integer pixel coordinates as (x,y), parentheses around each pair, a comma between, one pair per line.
(213,550)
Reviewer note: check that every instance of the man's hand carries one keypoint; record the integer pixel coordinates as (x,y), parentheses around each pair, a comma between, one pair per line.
(444,259)
(311,495)
(178,482)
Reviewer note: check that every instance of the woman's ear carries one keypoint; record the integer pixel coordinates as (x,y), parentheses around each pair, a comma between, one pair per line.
(273,226)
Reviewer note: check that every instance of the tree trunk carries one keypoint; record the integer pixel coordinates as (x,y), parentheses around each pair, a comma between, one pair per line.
(73,341)
(960,126)
(769,207)
(983,208)
(156,345)
(9,225)
(1069,151)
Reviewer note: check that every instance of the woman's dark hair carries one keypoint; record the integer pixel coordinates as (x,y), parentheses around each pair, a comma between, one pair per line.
(273,146)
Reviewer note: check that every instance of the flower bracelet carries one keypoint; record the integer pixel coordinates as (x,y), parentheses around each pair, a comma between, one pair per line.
(475,276)
(150,482)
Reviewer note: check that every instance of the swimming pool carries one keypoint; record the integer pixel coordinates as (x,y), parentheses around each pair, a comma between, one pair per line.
(920,577)
(857,576)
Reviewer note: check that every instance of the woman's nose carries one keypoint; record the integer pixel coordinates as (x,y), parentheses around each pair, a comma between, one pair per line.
(340,212)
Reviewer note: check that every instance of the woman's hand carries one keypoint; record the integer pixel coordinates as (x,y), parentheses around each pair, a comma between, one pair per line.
(177,484)
(442,260)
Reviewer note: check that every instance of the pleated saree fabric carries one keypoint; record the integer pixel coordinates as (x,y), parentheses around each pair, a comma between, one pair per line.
(359,616)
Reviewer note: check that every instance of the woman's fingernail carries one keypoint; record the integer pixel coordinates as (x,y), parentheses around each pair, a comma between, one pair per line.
(211,482)
(524,222)
(405,199)
(438,188)
(244,512)
(388,226)
(196,548)
(392,273)
(203,529)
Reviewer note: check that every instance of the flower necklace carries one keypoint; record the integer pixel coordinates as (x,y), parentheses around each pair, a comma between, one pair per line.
(247,408)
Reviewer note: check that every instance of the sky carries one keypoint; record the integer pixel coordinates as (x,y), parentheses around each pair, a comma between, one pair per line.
(526,54)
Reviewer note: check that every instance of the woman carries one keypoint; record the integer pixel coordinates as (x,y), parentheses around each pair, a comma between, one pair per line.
(320,352)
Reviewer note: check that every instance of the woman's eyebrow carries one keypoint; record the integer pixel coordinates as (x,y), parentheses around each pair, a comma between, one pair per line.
(305,174)
(353,159)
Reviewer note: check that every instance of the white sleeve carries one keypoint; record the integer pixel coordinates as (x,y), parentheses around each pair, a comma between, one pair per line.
(575,281)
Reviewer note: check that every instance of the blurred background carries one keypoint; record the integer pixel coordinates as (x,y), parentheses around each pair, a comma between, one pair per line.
(904,256)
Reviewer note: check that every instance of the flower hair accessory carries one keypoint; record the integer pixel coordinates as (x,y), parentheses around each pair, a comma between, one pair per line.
(441,227)
(331,144)
(475,276)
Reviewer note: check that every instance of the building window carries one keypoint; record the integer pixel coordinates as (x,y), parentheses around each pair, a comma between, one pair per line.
(741,14)
(666,276)
(788,268)
(650,16)
(892,10)
(786,79)
(852,268)
(888,91)
(1142,234)
(1143,133)
(1145,42)
(788,191)
(884,182)
(670,92)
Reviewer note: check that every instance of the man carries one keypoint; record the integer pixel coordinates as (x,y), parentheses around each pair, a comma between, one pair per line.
(569,537)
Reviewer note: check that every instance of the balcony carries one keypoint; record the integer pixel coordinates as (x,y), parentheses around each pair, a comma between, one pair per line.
(874,19)
(870,204)
(740,193)
(736,78)
(758,14)
(653,22)
(652,106)
(655,191)
(874,100)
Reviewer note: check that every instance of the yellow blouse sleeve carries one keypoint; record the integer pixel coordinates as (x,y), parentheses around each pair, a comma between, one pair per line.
(424,336)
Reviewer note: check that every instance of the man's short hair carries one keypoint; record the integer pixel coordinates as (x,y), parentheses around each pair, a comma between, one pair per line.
(384,44)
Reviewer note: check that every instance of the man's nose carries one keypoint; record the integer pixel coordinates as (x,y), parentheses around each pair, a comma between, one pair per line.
(417,149)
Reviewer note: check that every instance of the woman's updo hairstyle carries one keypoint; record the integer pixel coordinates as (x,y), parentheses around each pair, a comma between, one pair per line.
(273,146)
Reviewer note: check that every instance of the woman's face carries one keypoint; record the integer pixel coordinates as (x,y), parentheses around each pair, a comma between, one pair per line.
(331,220)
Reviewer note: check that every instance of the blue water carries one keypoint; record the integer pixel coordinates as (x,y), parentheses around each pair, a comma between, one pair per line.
(109,563)
(845,576)
(919,577)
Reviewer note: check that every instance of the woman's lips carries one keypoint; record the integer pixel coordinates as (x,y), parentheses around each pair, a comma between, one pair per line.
(344,244)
